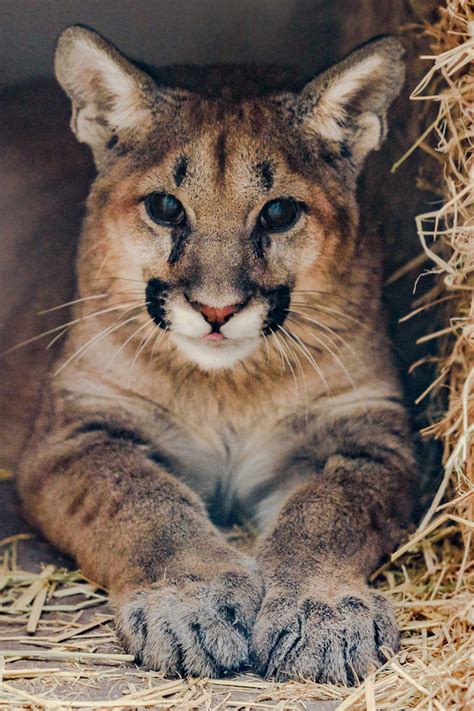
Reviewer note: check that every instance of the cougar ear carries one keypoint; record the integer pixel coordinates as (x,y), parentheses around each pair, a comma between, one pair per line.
(347,105)
(111,97)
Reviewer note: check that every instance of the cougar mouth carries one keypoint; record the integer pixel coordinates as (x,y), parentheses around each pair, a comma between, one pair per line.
(216,337)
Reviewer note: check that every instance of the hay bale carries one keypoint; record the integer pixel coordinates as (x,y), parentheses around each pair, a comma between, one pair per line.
(433,585)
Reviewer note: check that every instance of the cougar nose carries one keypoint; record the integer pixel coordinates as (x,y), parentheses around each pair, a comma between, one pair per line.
(217,316)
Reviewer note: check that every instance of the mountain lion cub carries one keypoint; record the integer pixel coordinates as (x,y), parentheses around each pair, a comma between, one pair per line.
(226,359)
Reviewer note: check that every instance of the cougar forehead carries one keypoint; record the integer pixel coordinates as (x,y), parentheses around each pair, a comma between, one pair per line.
(224,158)
(228,128)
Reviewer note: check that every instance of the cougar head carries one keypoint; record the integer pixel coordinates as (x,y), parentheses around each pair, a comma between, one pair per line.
(222,192)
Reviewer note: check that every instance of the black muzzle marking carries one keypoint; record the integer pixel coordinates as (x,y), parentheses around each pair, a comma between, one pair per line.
(279,302)
(156,294)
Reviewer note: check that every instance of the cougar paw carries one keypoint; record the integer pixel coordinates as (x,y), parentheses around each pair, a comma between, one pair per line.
(197,627)
(329,642)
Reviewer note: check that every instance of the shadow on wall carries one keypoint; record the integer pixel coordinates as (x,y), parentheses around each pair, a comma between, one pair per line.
(302,32)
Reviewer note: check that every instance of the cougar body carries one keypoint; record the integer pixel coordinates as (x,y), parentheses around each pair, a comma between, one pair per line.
(223,358)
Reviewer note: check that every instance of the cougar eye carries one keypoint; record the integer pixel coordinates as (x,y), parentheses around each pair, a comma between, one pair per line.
(279,215)
(165,209)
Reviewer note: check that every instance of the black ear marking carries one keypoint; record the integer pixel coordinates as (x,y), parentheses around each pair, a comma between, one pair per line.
(180,170)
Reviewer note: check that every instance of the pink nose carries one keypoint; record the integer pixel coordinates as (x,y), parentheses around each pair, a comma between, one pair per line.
(217,315)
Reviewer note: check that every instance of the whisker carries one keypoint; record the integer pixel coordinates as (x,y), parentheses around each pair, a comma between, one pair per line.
(103,263)
(283,368)
(316,291)
(359,323)
(326,309)
(32,340)
(133,303)
(71,303)
(104,295)
(146,339)
(93,246)
(131,293)
(352,319)
(284,348)
(267,349)
(309,357)
(309,331)
(338,361)
(112,278)
(68,324)
(98,337)
(56,338)
(334,333)
(124,344)
(298,362)
(160,334)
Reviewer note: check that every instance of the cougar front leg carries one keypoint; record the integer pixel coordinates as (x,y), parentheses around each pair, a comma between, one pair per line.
(319,619)
(185,600)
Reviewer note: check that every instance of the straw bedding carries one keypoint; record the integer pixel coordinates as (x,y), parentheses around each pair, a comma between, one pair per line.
(57,646)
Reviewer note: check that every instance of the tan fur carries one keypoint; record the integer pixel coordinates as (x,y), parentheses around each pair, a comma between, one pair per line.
(141,428)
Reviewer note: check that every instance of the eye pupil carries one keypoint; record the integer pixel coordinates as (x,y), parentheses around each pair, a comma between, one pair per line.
(165,209)
(279,215)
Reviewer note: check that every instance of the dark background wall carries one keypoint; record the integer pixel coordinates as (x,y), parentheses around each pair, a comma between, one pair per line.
(168,31)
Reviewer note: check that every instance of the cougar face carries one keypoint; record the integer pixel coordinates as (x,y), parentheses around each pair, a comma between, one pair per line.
(222,200)
(220,230)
